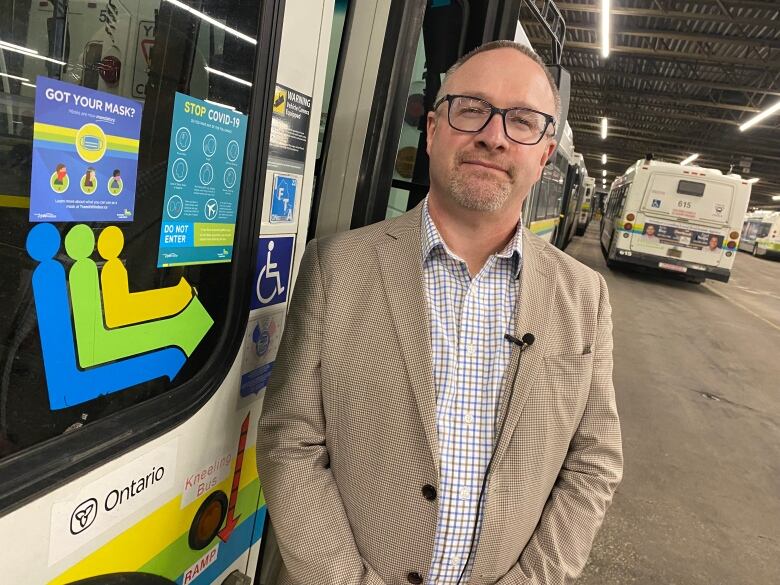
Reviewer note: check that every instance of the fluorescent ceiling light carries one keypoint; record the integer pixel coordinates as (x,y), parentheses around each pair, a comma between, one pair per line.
(690,159)
(227,75)
(604,173)
(605,28)
(760,116)
(213,103)
(19,48)
(28,84)
(603,159)
(213,21)
(753,181)
(775,197)
(27,52)
(603,128)
(9,76)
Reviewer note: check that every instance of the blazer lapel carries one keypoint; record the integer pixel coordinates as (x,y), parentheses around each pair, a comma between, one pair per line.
(400,259)
(532,312)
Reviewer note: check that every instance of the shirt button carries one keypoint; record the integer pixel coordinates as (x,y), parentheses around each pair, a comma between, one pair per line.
(471,350)
(469,418)
(464,493)
(414,578)
(455,561)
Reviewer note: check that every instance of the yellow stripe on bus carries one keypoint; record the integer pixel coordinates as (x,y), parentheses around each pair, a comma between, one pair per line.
(143,541)
(14,201)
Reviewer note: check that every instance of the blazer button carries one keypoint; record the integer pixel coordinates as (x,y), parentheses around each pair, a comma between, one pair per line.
(414,578)
(429,492)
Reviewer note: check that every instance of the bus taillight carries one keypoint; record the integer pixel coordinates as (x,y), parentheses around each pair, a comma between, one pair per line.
(734,235)
(630,217)
(628,226)
(731,245)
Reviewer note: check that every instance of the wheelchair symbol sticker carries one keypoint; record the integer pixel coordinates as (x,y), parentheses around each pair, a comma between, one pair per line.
(272,273)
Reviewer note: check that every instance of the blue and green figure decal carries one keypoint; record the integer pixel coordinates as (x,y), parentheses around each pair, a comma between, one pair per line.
(121,339)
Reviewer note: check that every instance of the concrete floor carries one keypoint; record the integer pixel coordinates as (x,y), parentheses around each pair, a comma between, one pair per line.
(697,379)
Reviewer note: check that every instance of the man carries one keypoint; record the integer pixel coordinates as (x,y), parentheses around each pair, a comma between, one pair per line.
(404,438)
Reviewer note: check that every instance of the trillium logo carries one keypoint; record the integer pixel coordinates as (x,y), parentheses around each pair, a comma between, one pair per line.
(83,516)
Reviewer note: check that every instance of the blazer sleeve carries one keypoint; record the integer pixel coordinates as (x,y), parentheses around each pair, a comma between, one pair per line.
(314,535)
(560,545)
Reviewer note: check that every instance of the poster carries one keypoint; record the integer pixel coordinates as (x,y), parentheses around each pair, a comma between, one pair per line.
(261,342)
(202,185)
(678,236)
(85,154)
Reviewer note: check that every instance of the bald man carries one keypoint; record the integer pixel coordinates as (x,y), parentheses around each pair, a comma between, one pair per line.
(442,410)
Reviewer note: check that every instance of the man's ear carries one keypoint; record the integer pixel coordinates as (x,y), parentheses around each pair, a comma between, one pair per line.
(430,123)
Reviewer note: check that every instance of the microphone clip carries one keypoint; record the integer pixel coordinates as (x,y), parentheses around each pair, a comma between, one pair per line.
(523,343)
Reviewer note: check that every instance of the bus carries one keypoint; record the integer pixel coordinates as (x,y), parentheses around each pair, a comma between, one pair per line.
(544,210)
(675,219)
(163,165)
(586,208)
(761,234)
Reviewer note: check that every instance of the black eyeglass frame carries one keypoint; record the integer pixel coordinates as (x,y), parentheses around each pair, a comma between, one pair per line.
(549,120)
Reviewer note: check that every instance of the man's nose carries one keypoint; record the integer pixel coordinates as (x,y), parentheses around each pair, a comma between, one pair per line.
(493,135)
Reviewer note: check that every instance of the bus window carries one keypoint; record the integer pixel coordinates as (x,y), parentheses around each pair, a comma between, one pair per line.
(149,53)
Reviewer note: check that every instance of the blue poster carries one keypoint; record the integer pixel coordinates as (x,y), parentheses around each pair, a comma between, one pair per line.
(85,154)
(272,273)
(202,185)
(283,203)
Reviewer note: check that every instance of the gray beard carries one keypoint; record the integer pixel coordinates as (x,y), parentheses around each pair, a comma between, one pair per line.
(487,196)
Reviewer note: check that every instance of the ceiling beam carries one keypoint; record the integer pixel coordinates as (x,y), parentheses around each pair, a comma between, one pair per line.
(670,14)
(668,55)
(580,88)
(695,37)
(672,80)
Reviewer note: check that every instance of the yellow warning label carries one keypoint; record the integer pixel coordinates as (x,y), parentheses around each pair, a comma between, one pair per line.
(280,101)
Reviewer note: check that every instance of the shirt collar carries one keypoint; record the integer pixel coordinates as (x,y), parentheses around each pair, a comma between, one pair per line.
(431,239)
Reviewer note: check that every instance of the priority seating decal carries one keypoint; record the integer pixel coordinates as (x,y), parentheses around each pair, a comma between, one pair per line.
(114,339)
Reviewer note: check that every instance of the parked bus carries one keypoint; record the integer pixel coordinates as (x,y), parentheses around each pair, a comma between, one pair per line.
(675,218)
(586,207)
(761,234)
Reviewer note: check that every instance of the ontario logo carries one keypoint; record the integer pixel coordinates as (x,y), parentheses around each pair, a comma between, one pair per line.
(113,339)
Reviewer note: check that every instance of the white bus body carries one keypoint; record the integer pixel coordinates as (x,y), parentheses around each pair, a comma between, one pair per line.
(675,218)
(761,234)
(586,207)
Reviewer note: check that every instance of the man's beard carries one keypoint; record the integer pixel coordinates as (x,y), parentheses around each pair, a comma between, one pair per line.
(479,190)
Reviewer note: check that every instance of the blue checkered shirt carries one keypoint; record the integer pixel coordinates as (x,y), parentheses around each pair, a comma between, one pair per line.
(468,320)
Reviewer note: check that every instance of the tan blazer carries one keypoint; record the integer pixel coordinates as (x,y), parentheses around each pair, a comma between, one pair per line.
(347,436)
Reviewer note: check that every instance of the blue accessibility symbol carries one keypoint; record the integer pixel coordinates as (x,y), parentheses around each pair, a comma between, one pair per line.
(656,203)
(283,202)
(272,273)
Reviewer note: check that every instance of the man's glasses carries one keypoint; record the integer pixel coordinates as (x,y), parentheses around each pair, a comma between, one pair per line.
(470,114)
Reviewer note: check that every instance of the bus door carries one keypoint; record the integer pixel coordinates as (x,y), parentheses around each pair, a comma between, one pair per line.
(683,217)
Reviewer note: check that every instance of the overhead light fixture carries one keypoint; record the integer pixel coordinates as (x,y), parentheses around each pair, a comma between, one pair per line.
(4,46)
(605,28)
(227,75)
(604,173)
(603,128)
(690,159)
(9,76)
(760,116)
(29,84)
(213,21)
(775,197)
(753,181)
(603,159)
(213,103)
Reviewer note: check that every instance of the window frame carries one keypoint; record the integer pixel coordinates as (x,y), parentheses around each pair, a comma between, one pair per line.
(42,468)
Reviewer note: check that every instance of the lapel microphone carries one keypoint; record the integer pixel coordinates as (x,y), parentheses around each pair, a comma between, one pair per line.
(524,343)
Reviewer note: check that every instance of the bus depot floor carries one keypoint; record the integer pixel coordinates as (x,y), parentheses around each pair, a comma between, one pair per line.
(697,379)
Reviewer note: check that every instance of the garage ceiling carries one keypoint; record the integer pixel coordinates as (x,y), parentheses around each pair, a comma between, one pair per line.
(680,78)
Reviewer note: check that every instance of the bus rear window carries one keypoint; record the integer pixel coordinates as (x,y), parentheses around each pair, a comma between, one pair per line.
(690,188)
